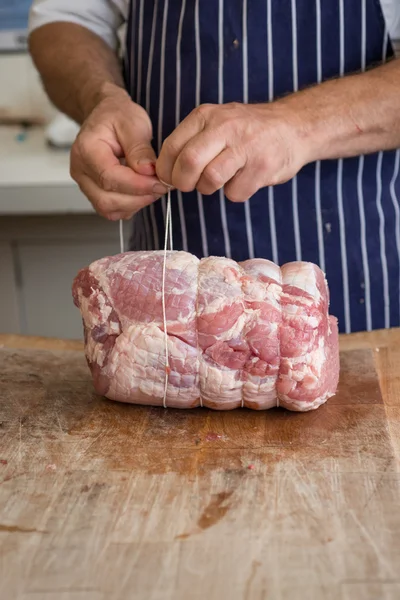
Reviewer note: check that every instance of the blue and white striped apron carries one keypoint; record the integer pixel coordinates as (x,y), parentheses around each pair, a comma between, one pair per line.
(342,214)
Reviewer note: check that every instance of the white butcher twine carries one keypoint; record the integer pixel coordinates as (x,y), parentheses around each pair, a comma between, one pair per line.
(168,234)
(121,225)
(121,236)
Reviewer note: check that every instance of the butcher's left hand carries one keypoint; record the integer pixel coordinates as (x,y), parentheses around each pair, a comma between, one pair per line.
(241,147)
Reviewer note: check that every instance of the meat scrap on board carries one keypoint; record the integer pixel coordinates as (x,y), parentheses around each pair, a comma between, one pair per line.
(239,334)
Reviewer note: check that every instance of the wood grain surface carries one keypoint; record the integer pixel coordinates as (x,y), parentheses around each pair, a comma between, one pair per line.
(100,500)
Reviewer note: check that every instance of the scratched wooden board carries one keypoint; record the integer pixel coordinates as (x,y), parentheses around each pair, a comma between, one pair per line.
(100,500)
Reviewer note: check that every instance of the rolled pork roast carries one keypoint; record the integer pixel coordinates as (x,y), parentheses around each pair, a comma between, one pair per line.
(246,334)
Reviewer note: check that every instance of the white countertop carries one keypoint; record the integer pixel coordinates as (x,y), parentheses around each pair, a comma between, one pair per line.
(34,178)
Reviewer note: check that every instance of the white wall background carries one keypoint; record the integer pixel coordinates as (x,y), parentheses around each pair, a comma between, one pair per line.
(21,92)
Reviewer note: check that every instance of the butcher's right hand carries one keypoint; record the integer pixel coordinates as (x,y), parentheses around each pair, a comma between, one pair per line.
(112,159)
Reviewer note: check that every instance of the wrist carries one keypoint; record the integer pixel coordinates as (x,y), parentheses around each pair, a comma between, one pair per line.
(308,132)
(295,128)
(93,93)
(330,120)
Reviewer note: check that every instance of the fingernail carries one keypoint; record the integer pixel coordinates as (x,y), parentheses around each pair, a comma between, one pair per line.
(158,188)
(146,161)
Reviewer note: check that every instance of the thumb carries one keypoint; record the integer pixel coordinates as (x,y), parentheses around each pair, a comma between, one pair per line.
(135,140)
(142,159)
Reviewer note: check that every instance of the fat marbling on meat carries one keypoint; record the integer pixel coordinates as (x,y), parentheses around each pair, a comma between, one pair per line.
(239,334)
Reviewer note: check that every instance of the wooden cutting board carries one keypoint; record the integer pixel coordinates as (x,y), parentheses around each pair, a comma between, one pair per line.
(104,500)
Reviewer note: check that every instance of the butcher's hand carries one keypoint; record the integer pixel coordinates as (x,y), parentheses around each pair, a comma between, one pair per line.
(112,159)
(241,147)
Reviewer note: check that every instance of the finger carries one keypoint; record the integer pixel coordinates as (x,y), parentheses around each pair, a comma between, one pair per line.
(174,143)
(96,159)
(219,171)
(110,204)
(194,158)
(242,186)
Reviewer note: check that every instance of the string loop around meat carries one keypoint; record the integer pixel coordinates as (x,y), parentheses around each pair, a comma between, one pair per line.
(167,238)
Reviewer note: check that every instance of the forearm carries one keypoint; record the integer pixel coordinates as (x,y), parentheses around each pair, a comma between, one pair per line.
(77,67)
(355,115)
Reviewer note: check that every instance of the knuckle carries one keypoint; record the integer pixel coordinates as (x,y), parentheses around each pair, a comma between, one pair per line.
(203,109)
(235,196)
(233,106)
(101,206)
(206,188)
(106,182)
(113,204)
(271,174)
(106,204)
(180,183)
(202,112)
(213,177)
(191,158)
(274,179)
(231,113)
(169,145)
(82,146)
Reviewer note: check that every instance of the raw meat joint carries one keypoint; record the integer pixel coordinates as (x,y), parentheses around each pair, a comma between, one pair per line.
(249,334)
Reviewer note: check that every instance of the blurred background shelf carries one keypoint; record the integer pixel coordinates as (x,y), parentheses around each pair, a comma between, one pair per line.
(34,178)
